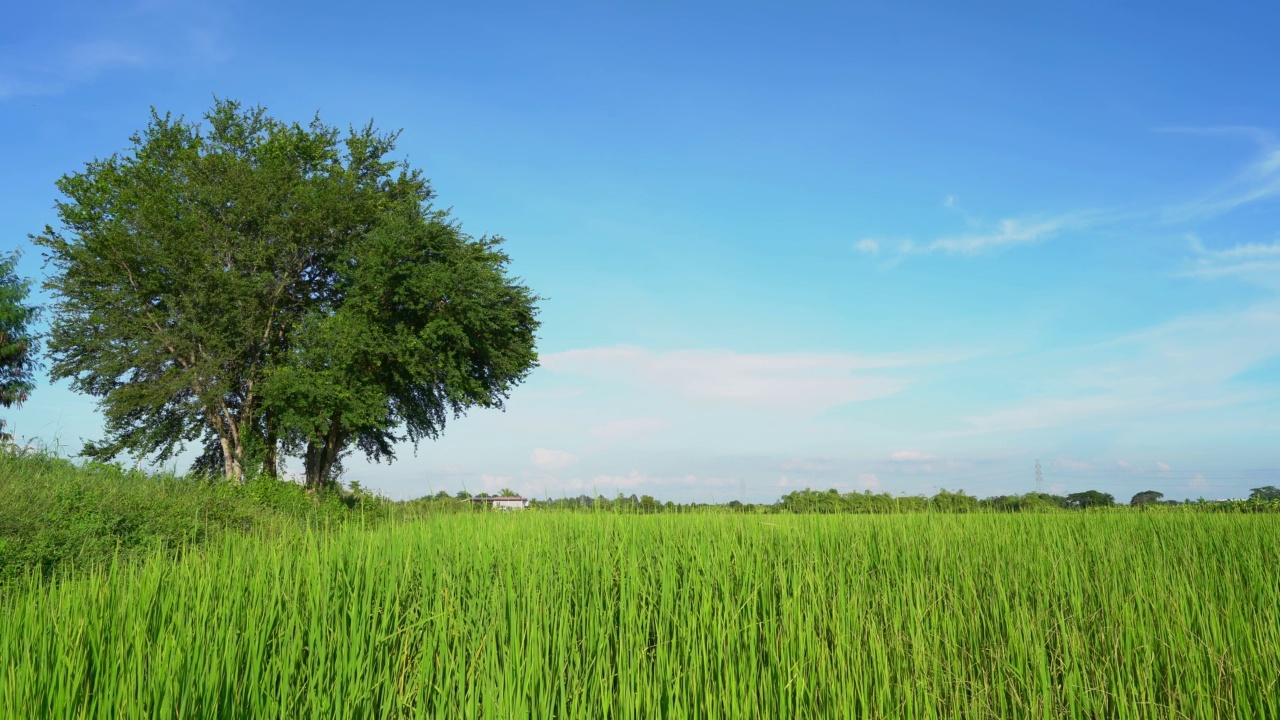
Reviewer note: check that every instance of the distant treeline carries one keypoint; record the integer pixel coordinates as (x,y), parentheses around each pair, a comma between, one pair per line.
(1263,499)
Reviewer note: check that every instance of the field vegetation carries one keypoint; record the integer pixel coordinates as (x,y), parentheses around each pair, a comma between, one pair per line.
(278,605)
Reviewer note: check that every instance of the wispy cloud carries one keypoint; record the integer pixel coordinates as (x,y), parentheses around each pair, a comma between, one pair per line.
(1071,464)
(552,459)
(1260,261)
(808,465)
(628,428)
(1256,181)
(88,60)
(911,456)
(636,480)
(804,381)
(1185,365)
(1008,233)
(55,56)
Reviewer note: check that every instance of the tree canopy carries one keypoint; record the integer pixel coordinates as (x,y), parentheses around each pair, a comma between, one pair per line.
(1090,499)
(18,343)
(1145,497)
(269,289)
(1266,492)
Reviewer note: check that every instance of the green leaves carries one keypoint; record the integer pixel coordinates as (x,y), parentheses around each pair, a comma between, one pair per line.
(270,288)
(18,344)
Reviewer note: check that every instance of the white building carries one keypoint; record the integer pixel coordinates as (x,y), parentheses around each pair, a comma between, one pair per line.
(502,503)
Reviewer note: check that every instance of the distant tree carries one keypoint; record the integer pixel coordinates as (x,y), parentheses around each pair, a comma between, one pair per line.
(18,344)
(1090,499)
(463,495)
(269,289)
(1145,497)
(957,502)
(507,492)
(1266,492)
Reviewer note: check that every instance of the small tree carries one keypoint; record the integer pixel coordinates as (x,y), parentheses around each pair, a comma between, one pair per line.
(18,344)
(1145,497)
(1090,499)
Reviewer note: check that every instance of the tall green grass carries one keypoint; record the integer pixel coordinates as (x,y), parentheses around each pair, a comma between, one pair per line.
(539,615)
(56,516)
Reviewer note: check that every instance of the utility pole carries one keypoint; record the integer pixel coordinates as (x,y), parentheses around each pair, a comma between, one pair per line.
(1039,480)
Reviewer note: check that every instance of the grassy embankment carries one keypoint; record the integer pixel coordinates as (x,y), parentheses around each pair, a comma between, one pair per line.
(57,517)
(1156,614)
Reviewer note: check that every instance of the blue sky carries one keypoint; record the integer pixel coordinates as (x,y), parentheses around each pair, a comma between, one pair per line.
(868,246)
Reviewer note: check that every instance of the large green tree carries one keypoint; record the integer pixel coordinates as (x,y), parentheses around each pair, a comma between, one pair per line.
(18,343)
(266,288)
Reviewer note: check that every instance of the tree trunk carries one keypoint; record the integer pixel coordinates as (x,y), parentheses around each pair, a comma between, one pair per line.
(227,458)
(271,457)
(232,451)
(322,454)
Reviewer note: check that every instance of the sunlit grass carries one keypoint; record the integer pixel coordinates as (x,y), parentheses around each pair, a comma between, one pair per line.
(545,615)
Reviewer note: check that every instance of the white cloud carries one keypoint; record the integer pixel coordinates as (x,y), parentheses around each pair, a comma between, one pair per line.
(911,456)
(1009,232)
(1124,464)
(869,246)
(1248,250)
(1261,260)
(627,428)
(869,481)
(1043,413)
(59,53)
(1164,467)
(1176,367)
(784,481)
(800,381)
(808,465)
(552,459)
(1067,463)
(494,483)
(1257,181)
(636,480)
(86,61)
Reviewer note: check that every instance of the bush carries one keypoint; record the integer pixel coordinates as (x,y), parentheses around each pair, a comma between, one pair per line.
(55,514)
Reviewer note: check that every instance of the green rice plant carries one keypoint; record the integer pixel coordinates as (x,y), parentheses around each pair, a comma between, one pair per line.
(600,615)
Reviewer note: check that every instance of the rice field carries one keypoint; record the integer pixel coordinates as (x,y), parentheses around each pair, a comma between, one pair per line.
(550,615)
